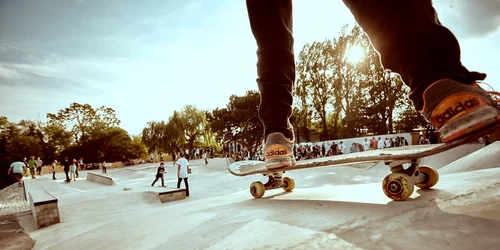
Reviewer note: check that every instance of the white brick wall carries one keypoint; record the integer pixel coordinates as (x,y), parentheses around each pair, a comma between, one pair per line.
(44,214)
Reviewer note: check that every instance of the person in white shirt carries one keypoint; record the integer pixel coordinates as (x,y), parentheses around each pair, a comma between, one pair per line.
(17,168)
(205,158)
(341,147)
(182,173)
(366,145)
(151,157)
(380,143)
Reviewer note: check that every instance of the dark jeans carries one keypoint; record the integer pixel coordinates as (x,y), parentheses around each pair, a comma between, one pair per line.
(53,175)
(407,34)
(66,171)
(158,176)
(185,184)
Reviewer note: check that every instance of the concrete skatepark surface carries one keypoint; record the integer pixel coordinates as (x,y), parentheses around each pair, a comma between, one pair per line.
(334,207)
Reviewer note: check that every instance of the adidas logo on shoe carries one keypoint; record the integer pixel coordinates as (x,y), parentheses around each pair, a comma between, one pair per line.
(457,109)
(276,152)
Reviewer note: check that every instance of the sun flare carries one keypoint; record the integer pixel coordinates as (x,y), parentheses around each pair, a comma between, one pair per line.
(354,54)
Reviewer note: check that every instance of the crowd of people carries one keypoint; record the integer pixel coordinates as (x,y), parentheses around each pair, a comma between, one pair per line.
(195,153)
(324,149)
(34,166)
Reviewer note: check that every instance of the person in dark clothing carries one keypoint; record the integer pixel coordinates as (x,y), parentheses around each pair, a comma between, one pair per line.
(411,42)
(67,165)
(433,138)
(487,140)
(159,174)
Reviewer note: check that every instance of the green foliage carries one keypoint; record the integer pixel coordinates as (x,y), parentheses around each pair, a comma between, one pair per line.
(342,98)
(77,131)
(81,119)
(185,129)
(409,119)
(239,121)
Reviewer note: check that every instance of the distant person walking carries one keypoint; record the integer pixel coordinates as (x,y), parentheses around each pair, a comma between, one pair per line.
(104,167)
(53,168)
(73,170)
(66,165)
(205,157)
(17,169)
(39,164)
(32,167)
(159,174)
(487,140)
(151,157)
(182,173)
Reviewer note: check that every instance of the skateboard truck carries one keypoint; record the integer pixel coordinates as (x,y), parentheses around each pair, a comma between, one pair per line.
(275,180)
(399,185)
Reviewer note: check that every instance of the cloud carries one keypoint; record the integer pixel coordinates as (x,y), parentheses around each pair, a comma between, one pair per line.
(9,73)
(469,19)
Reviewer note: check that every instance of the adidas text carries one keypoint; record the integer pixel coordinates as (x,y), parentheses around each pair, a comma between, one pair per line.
(453,111)
(277,152)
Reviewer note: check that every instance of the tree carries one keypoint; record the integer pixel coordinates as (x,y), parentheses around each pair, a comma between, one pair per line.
(110,144)
(153,135)
(20,140)
(81,119)
(239,121)
(315,86)
(301,120)
(137,148)
(346,98)
(385,95)
(219,122)
(187,128)
(409,119)
(193,121)
(57,138)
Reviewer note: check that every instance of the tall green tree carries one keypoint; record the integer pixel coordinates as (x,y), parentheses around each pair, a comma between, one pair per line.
(193,122)
(315,85)
(239,121)
(81,119)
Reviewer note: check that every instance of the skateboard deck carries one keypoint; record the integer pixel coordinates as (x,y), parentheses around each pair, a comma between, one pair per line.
(398,185)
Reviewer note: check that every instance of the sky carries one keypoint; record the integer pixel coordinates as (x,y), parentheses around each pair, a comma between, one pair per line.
(146,59)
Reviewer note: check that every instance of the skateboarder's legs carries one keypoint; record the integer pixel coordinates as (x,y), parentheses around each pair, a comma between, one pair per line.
(271,23)
(159,176)
(186,184)
(411,42)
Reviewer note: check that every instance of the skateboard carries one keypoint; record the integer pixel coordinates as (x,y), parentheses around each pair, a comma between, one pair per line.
(398,185)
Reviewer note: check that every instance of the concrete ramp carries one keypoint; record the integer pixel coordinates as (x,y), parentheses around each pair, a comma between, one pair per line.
(214,165)
(100,178)
(440,160)
(152,195)
(126,175)
(486,157)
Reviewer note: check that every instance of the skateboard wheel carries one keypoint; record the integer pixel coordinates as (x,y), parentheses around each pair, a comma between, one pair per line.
(257,189)
(288,184)
(398,186)
(432,177)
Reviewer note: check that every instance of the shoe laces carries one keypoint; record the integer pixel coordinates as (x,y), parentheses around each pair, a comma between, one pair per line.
(495,95)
